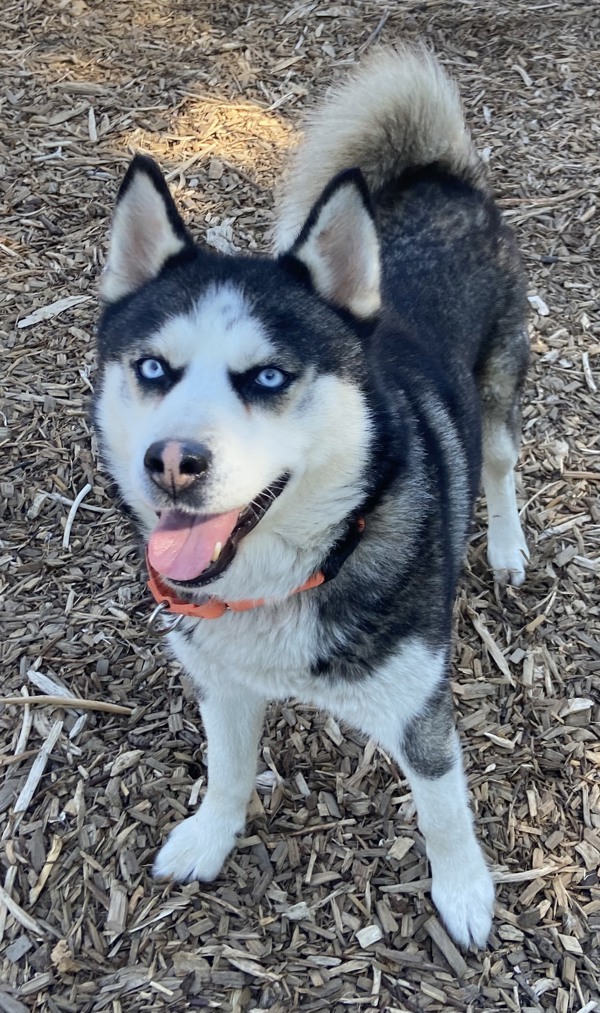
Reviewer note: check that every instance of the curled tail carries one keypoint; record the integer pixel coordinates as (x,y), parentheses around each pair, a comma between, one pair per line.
(398,111)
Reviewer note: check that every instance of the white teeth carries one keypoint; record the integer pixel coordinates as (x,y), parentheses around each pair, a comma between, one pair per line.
(216,552)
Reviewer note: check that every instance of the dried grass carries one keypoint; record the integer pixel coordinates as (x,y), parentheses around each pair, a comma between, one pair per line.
(323,906)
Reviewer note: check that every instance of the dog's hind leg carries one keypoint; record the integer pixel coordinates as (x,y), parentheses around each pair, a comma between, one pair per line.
(197,848)
(508,554)
(500,378)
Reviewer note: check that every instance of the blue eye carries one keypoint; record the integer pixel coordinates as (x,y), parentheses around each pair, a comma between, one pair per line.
(261,383)
(271,377)
(150,369)
(156,376)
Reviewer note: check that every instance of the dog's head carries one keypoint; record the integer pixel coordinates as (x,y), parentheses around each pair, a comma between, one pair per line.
(232,405)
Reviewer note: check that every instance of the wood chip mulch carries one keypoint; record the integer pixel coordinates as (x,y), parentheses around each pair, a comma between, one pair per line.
(324,905)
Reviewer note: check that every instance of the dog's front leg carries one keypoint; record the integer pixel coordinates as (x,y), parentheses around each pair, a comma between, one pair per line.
(197,848)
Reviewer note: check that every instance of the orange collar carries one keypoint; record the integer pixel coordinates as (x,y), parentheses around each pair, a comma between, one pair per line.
(216,607)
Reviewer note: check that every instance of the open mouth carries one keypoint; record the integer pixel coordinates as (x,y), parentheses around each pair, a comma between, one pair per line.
(195,549)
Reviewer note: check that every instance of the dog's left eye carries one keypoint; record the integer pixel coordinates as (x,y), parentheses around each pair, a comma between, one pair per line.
(271,377)
(259,383)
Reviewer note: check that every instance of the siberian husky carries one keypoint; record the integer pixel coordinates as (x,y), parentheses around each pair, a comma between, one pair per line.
(299,441)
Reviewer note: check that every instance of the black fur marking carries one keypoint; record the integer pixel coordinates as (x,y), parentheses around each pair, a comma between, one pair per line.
(364,613)
(427,743)
(303,329)
(344,547)
(187,632)
(368,610)
(434,173)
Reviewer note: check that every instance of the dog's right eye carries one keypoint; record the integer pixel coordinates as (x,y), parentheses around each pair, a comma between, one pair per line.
(155,374)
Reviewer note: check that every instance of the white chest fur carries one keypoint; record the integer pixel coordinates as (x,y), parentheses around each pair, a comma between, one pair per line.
(266,649)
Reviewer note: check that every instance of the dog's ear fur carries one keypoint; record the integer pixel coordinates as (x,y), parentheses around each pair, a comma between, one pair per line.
(146,231)
(339,246)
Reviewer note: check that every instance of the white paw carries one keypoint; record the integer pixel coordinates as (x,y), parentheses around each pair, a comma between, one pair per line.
(507,551)
(463,893)
(198,847)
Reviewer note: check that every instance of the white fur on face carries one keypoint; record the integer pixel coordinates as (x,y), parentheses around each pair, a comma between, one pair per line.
(320,433)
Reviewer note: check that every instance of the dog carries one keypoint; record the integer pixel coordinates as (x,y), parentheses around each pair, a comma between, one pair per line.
(300,439)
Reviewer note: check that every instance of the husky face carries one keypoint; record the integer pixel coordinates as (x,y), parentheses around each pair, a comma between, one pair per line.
(232,404)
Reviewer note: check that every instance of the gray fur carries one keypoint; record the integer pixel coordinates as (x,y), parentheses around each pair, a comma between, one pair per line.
(427,743)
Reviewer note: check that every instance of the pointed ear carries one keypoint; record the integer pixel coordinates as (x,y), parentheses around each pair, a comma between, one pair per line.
(146,231)
(339,246)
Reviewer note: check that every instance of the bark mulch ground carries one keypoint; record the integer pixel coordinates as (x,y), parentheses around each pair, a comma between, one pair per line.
(324,905)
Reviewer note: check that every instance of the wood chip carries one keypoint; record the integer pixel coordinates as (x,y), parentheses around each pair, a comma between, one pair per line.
(571,945)
(493,649)
(19,914)
(37,769)
(400,848)
(117,911)
(48,867)
(52,310)
(442,940)
(368,935)
(72,513)
(60,701)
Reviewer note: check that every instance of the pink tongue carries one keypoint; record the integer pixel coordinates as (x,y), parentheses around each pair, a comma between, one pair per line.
(181,545)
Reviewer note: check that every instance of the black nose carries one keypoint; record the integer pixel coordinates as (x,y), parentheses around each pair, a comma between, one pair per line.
(176,466)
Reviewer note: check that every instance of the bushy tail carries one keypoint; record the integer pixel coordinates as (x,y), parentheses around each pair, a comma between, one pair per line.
(398,111)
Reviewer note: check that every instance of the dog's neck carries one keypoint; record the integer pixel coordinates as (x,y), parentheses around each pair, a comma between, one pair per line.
(170,601)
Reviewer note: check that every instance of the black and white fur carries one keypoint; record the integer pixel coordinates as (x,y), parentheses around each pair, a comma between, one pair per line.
(395,303)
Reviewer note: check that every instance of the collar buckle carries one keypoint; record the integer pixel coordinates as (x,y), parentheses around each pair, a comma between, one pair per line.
(160,624)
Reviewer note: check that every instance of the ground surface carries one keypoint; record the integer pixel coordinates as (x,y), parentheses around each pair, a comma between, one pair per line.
(215,92)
